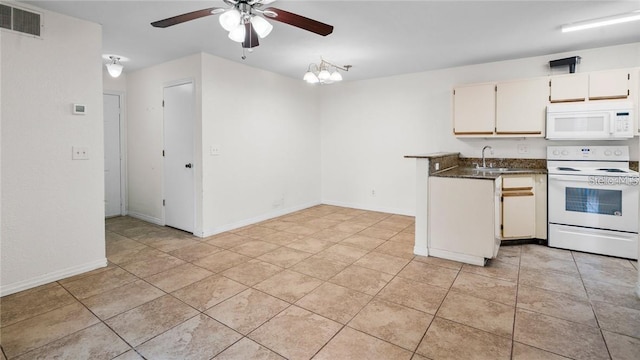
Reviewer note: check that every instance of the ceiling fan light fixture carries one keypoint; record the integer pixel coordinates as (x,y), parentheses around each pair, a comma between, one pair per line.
(251,15)
(114,67)
(230,19)
(263,27)
(238,33)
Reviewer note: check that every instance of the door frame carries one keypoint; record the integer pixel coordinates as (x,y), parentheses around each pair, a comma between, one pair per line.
(124,206)
(196,163)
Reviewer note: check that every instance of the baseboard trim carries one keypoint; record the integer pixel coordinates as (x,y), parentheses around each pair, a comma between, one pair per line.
(523,242)
(370,208)
(449,255)
(422,251)
(146,218)
(254,220)
(51,277)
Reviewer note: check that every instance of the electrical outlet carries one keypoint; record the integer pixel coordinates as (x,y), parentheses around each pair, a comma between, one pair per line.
(523,149)
(214,150)
(79,153)
(373,192)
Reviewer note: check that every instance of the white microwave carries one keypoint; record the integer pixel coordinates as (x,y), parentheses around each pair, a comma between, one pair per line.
(597,120)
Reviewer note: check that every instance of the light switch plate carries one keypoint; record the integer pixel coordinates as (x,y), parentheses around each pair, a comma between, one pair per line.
(80,153)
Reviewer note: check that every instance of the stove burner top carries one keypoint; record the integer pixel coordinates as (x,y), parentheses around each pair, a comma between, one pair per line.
(613,170)
(562,168)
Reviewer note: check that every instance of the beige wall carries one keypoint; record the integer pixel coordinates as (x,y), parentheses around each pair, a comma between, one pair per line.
(52,207)
(268,131)
(368,126)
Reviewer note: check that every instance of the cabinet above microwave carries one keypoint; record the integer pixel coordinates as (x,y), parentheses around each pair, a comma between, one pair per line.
(597,85)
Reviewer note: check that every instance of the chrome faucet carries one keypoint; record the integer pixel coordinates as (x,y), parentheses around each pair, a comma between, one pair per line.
(484,165)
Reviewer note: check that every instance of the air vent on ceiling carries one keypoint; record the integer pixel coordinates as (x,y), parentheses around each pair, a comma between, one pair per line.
(20,20)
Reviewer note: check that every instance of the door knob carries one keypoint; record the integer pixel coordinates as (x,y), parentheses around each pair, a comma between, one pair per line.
(188,166)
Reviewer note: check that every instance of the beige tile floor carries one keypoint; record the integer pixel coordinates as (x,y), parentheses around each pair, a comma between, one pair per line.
(324,283)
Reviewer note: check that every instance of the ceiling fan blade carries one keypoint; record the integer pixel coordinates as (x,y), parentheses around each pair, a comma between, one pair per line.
(250,37)
(178,19)
(299,21)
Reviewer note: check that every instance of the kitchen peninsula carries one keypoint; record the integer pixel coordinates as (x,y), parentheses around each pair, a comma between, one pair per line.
(460,213)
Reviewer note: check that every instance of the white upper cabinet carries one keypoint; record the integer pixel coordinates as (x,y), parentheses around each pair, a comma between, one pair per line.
(572,87)
(474,109)
(599,85)
(518,108)
(613,84)
(521,107)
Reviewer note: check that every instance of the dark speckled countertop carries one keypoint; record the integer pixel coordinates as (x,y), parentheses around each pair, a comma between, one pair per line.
(450,164)
(472,173)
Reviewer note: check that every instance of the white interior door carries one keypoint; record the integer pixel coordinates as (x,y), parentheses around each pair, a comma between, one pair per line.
(179,121)
(112,156)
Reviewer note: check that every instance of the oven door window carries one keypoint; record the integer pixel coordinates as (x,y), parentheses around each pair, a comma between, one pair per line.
(594,201)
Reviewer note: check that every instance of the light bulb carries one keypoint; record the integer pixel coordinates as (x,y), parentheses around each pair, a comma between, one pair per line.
(238,33)
(262,26)
(230,19)
(324,75)
(335,76)
(114,67)
(310,77)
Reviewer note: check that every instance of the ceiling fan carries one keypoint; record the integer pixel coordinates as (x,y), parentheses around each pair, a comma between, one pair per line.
(243,22)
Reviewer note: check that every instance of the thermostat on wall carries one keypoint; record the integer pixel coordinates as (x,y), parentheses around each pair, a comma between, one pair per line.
(79,109)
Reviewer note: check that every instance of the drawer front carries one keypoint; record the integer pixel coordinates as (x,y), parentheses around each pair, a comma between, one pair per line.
(517,183)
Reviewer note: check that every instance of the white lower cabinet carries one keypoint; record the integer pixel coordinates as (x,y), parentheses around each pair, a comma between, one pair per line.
(462,219)
(518,207)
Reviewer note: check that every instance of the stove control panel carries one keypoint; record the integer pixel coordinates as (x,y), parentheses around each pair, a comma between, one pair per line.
(587,152)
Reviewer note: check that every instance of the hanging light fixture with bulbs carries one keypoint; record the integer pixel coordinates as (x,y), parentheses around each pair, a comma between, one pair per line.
(113,65)
(246,21)
(237,19)
(324,73)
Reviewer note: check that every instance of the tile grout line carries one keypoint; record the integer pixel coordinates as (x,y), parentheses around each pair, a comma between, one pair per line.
(415,351)
(369,251)
(515,306)
(593,309)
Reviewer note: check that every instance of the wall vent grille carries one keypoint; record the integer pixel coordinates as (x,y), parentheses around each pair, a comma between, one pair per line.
(20,20)
(5,17)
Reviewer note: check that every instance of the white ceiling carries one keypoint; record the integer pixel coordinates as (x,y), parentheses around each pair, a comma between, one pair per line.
(379,38)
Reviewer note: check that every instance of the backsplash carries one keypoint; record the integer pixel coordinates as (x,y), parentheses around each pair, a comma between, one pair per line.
(454,159)
(505,163)
(444,162)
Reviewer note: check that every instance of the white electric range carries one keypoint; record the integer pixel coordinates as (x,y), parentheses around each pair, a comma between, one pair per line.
(593,200)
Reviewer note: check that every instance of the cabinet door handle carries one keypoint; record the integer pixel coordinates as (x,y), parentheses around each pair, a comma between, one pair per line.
(517,188)
(517,194)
